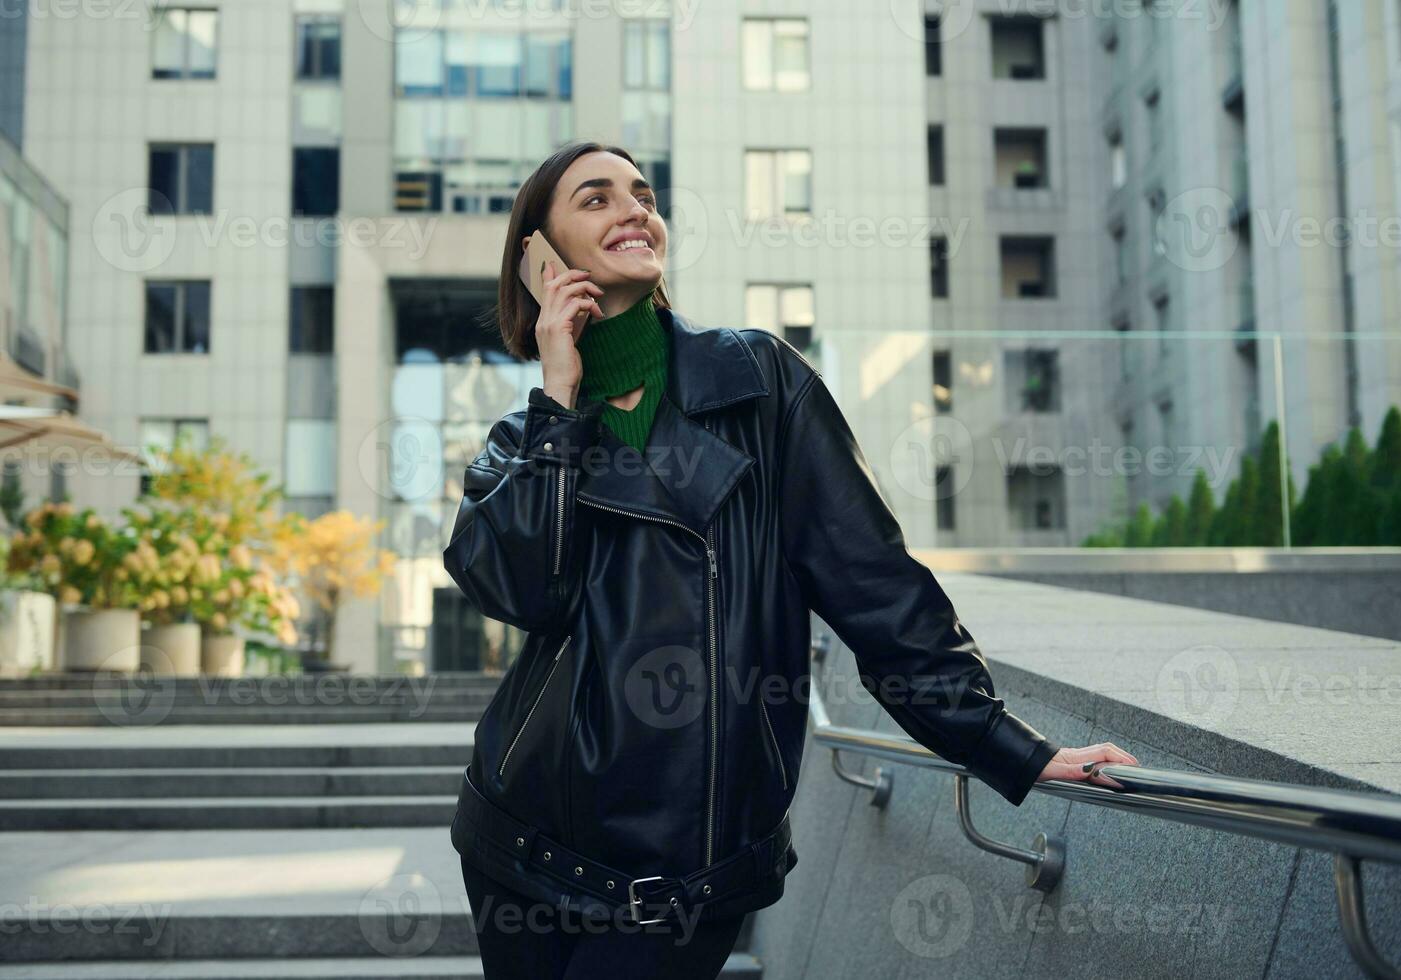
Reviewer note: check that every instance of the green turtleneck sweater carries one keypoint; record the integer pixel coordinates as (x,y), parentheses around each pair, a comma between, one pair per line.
(619,353)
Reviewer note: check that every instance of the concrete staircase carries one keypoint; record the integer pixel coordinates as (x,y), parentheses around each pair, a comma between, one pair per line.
(85,699)
(202,851)
(248,786)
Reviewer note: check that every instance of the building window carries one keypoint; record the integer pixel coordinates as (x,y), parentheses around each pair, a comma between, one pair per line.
(1033,379)
(1020,157)
(943,497)
(784,309)
(1162,318)
(177,316)
(1036,497)
(1121,257)
(936,156)
(180,178)
(939,267)
(1152,107)
(775,54)
(933,48)
(1028,266)
(475,110)
(943,381)
(311,324)
(1017,48)
(778,183)
(160,435)
(1118,161)
(647,54)
(1125,354)
(318,46)
(646,103)
(185,43)
(310,466)
(315,180)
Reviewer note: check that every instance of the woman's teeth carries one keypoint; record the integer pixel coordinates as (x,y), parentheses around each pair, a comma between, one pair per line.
(629,244)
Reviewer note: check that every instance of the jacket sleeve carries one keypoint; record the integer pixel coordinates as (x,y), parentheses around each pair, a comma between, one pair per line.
(917,659)
(511,548)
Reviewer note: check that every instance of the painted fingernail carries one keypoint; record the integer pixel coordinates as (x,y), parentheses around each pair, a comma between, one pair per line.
(1088,766)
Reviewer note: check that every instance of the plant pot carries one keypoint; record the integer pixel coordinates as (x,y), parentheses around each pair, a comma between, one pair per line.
(26,632)
(318,665)
(221,654)
(172,648)
(102,639)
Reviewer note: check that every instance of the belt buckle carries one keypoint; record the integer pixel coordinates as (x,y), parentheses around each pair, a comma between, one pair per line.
(634,901)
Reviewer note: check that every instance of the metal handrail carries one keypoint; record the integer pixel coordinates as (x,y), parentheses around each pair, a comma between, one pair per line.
(1351,825)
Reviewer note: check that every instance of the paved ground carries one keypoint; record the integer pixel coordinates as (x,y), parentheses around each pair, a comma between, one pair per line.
(1270,700)
(230,872)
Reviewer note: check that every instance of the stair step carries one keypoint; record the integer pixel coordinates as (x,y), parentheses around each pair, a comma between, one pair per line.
(224,782)
(209,813)
(268,755)
(361,968)
(15,700)
(738,965)
(87,681)
(156,713)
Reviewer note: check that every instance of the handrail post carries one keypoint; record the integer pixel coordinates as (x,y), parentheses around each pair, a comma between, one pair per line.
(1352,914)
(1045,862)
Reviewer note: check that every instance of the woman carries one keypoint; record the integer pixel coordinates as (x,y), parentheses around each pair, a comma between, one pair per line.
(661,519)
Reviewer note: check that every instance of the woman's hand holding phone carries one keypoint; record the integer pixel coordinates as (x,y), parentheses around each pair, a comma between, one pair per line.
(567,308)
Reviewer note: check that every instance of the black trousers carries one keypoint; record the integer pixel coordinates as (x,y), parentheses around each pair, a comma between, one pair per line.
(522,938)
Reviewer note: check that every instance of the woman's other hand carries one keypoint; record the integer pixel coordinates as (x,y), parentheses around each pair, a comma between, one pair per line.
(1085,763)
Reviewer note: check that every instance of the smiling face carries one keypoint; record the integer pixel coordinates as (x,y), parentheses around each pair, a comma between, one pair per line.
(603,218)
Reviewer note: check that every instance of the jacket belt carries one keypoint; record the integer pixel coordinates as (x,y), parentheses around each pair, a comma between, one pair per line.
(649,898)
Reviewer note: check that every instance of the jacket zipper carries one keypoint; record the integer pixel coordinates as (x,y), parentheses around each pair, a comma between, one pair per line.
(538,695)
(782,772)
(707,540)
(559,518)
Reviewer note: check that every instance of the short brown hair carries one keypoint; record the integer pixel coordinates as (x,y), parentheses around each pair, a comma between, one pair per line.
(516,309)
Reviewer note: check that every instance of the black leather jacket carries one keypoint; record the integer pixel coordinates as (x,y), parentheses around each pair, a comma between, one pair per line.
(654,720)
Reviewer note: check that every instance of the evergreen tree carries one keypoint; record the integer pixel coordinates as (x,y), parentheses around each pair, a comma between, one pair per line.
(1266,520)
(1357,506)
(1310,515)
(1139,533)
(1386,458)
(1174,523)
(1199,508)
(1240,525)
(1218,532)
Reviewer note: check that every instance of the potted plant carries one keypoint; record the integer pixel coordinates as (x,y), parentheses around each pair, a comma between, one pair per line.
(97,573)
(27,615)
(171,638)
(231,512)
(334,560)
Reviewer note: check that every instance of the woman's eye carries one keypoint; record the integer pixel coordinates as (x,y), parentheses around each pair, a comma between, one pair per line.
(646,199)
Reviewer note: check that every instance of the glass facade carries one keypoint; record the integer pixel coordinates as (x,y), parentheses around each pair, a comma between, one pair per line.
(33,275)
(475,111)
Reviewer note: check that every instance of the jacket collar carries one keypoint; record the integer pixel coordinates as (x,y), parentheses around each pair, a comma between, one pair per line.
(686,472)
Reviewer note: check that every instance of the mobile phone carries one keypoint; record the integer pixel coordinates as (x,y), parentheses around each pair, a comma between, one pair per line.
(534,268)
